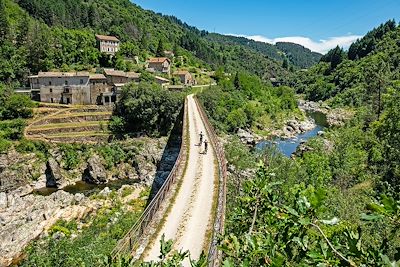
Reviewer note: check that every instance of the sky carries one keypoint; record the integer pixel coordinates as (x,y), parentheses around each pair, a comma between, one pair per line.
(319,25)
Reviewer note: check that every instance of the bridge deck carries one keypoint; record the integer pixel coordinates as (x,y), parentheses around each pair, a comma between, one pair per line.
(192,215)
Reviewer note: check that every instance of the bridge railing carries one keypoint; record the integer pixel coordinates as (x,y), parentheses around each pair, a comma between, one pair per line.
(130,242)
(214,255)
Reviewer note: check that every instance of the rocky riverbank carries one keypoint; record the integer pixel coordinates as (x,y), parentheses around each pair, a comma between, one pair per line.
(25,216)
(335,117)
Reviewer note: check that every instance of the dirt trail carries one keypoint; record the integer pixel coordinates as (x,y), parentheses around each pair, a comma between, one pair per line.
(189,220)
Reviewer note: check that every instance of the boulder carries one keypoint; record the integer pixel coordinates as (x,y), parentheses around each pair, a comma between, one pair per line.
(53,173)
(3,200)
(95,173)
(246,137)
(105,192)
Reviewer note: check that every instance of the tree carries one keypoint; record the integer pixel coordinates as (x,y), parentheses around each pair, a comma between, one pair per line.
(389,137)
(4,25)
(160,49)
(285,63)
(236,81)
(334,56)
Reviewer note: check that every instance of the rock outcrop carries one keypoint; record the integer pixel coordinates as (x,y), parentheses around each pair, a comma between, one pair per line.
(95,173)
(24,218)
(53,173)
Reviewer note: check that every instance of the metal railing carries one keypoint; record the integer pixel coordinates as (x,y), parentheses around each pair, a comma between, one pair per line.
(215,256)
(130,242)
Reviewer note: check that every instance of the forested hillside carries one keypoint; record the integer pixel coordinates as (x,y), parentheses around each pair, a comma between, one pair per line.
(298,55)
(295,54)
(337,202)
(41,35)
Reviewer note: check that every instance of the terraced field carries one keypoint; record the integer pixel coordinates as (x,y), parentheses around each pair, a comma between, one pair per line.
(70,124)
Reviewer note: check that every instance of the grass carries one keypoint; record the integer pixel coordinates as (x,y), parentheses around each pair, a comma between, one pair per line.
(67,125)
(81,114)
(79,134)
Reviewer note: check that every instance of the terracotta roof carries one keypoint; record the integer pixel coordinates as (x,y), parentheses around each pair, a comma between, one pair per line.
(111,72)
(97,77)
(181,72)
(106,38)
(132,74)
(158,59)
(63,74)
(120,73)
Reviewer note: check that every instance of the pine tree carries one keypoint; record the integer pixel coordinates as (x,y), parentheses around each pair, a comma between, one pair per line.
(236,82)
(285,63)
(160,49)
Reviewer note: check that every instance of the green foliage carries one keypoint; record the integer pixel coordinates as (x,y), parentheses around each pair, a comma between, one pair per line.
(245,102)
(12,129)
(334,57)
(117,125)
(278,220)
(112,154)
(71,155)
(92,246)
(361,81)
(149,108)
(366,45)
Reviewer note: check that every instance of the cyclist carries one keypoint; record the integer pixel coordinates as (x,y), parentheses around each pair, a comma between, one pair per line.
(201,138)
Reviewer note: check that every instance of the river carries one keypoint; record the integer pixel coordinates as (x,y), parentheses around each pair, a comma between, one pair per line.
(289,146)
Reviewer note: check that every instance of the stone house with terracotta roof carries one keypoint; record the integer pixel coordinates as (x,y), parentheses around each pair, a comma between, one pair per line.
(185,77)
(108,44)
(81,87)
(159,64)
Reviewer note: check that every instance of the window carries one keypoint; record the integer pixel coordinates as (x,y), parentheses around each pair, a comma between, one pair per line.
(51,90)
(49,82)
(66,82)
(52,100)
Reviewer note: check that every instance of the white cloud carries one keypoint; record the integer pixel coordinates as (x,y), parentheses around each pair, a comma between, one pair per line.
(321,46)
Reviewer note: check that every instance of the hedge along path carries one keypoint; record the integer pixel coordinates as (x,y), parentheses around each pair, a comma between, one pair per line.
(188,222)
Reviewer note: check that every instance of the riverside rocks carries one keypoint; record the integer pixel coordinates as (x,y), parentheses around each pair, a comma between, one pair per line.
(53,173)
(95,173)
(335,117)
(247,137)
(24,218)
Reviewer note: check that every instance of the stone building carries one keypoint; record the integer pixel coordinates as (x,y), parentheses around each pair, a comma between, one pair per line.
(62,87)
(159,64)
(99,87)
(81,87)
(108,44)
(185,77)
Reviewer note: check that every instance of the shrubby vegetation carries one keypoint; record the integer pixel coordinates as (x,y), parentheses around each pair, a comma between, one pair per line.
(245,101)
(146,107)
(363,75)
(338,202)
(332,206)
(13,110)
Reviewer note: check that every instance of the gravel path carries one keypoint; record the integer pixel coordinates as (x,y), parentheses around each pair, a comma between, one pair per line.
(190,217)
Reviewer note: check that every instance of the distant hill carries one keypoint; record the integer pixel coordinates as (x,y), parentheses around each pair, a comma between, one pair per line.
(297,55)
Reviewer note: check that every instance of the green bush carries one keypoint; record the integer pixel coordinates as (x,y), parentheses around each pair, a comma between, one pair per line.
(12,129)
(148,108)
(4,145)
